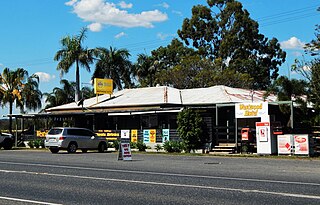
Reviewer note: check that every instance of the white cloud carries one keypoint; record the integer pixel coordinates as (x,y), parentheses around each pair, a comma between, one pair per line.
(119,35)
(70,3)
(106,13)
(292,43)
(179,13)
(164,5)
(163,36)
(45,77)
(124,5)
(95,27)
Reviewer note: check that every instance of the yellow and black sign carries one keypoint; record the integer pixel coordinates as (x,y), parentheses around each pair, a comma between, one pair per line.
(103,86)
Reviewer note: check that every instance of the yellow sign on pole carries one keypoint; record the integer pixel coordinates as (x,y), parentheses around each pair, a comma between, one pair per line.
(103,86)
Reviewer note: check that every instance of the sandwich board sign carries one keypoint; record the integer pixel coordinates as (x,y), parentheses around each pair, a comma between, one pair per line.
(125,152)
(124,146)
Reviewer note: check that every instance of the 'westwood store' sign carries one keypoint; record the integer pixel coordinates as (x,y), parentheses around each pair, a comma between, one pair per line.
(251,110)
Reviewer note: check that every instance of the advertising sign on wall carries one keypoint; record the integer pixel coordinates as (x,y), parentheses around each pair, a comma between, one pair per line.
(153,135)
(251,110)
(165,135)
(134,135)
(125,134)
(146,136)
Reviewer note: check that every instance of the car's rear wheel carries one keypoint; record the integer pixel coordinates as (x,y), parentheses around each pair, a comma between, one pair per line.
(7,144)
(102,147)
(72,148)
(54,150)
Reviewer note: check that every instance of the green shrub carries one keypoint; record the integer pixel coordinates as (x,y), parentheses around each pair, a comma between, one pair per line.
(159,147)
(116,144)
(133,145)
(38,142)
(31,144)
(173,146)
(141,146)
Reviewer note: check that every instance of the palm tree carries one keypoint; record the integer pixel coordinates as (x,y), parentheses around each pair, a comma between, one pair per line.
(17,87)
(31,93)
(146,69)
(114,64)
(60,96)
(73,52)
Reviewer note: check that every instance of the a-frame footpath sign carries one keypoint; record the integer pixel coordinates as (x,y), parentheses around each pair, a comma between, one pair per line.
(124,146)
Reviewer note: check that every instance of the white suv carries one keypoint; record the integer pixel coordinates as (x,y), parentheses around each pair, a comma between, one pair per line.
(73,138)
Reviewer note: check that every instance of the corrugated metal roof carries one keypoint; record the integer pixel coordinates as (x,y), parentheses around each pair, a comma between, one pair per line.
(164,95)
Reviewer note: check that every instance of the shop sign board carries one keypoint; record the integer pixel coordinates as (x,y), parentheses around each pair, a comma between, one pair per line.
(103,86)
(251,110)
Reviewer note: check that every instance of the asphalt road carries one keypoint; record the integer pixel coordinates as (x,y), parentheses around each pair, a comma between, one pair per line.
(39,177)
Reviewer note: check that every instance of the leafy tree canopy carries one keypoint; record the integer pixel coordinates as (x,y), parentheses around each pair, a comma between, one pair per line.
(224,32)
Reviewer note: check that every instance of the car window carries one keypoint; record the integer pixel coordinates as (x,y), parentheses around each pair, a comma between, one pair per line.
(55,131)
(80,132)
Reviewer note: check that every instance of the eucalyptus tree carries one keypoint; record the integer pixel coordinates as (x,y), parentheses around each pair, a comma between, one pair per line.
(224,32)
(17,87)
(73,52)
(114,64)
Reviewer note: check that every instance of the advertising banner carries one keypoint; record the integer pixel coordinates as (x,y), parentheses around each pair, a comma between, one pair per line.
(285,144)
(146,136)
(134,135)
(251,110)
(301,143)
(165,135)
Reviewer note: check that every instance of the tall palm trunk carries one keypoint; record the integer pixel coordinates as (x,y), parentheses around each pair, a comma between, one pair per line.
(10,115)
(77,91)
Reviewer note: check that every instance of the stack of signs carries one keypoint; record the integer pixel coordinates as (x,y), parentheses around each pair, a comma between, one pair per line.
(124,147)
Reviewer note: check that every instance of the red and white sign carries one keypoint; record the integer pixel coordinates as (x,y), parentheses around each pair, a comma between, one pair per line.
(285,144)
(301,143)
(125,152)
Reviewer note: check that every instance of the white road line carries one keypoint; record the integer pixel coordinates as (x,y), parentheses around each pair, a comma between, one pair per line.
(167,184)
(166,174)
(27,201)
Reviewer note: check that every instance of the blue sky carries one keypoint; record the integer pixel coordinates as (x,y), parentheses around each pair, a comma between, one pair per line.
(31,30)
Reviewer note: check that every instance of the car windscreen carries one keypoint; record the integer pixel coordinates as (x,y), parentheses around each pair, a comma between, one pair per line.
(55,131)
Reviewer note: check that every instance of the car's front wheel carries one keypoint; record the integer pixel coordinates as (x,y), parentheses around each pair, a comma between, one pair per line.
(72,148)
